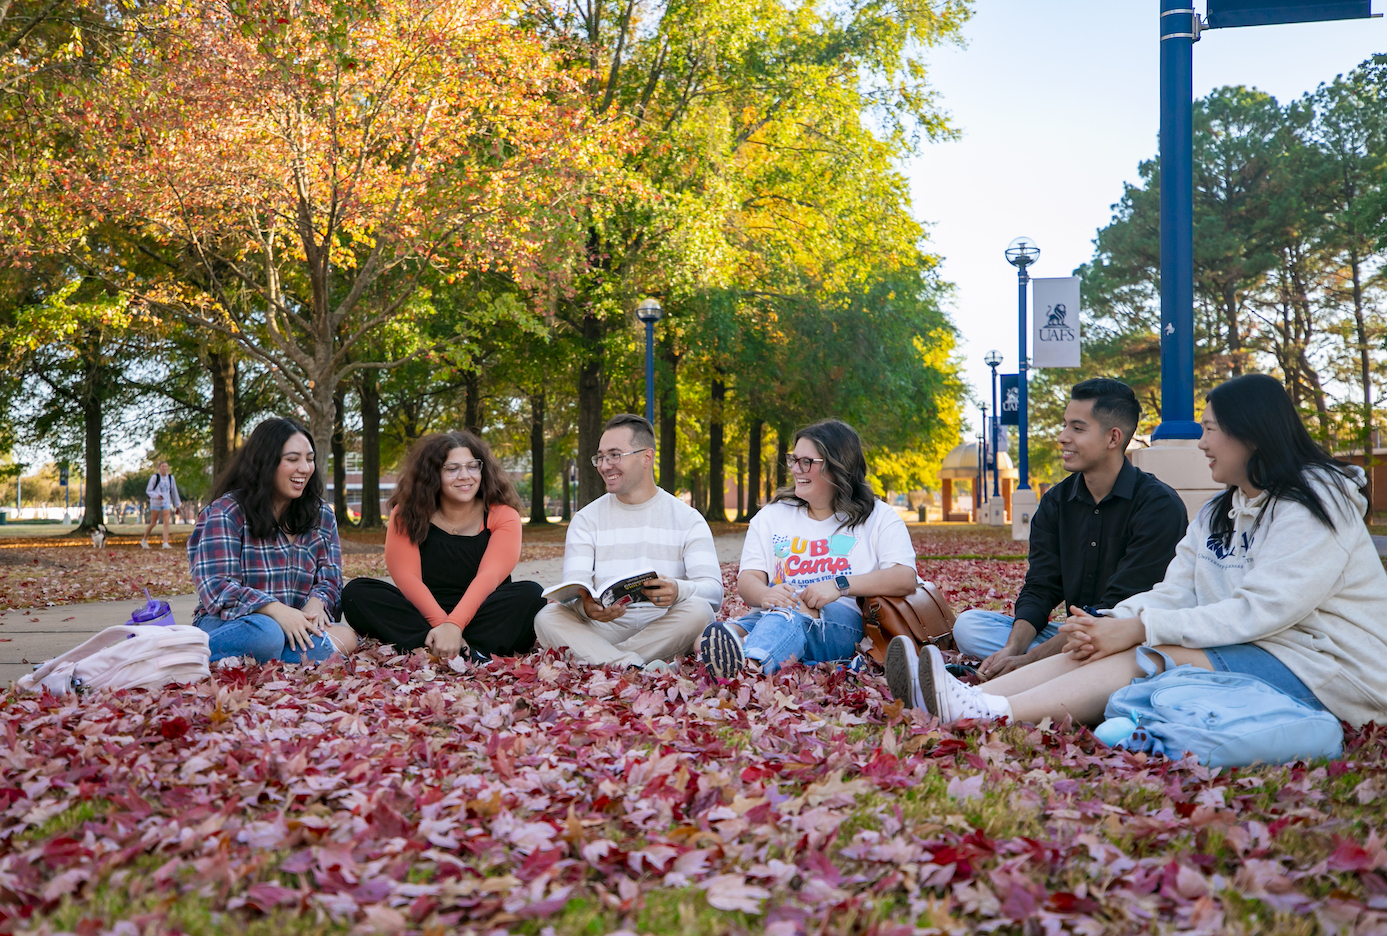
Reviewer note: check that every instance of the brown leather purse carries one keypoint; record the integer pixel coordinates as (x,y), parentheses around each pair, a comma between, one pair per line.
(925,617)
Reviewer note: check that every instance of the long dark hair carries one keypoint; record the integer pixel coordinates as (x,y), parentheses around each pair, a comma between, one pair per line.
(250,478)
(420,488)
(844,466)
(1256,410)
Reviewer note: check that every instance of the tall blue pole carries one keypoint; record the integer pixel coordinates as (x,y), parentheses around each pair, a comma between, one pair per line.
(993,428)
(650,371)
(1022,278)
(1178,31)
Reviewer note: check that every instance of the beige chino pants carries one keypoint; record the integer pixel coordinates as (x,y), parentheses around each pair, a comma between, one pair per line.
(669,636)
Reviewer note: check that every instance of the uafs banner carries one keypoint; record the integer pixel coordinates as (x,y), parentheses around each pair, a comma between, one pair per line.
(1055,324)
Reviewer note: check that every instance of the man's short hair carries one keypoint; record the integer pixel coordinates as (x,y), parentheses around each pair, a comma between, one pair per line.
(642,433)
(1114,403)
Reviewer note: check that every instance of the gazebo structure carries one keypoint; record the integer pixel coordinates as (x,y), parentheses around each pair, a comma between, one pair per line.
(962,464)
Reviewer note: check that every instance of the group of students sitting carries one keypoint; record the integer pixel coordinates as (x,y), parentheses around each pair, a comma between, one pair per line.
(1277,577)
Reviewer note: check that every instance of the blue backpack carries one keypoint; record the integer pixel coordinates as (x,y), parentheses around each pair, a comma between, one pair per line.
(1224,719)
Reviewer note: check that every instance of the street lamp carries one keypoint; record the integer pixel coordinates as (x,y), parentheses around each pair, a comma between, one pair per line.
(1021,253)
(982,453)
(650,312)
(994,360)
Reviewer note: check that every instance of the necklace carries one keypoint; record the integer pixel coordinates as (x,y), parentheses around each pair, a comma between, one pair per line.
(450,527)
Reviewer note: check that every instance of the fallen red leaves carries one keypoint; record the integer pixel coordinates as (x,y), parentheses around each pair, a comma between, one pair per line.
(399,795)
(389,794)
(41,577)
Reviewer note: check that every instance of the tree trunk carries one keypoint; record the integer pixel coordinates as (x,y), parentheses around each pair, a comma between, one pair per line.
(717,492)
(338,445)
(1365,372)
(753,462)
(1235,341)
(590,398)
(782,451)
(472,417)
(92,424)
(369,392)
(669,417)
(538,514)
(223,369)
(567,491)
(741,488)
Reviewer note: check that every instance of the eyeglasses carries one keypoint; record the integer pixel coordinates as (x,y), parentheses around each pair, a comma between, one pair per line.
(453,469)
(611,458)
(802,464)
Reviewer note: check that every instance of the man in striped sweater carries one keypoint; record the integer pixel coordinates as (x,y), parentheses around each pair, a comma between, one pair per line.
(634,526)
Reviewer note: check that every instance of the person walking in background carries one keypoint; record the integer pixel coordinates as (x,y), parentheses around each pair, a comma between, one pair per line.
(162,491)
(1104,533)
(450,547)
(635,526)
(265,556)
(819,543)
(1277,578)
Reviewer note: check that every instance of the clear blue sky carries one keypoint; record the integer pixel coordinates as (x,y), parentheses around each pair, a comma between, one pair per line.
(1057,101)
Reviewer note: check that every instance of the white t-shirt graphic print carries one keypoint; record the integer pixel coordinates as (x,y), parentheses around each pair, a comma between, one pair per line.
(788,546)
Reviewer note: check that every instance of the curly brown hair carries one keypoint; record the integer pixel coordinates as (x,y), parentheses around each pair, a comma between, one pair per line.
(420,488)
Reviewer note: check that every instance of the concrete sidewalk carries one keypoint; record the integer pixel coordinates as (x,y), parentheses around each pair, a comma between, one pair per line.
(34,636)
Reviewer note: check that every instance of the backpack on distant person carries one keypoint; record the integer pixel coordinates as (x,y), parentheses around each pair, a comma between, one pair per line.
(1223,719)
(131,656)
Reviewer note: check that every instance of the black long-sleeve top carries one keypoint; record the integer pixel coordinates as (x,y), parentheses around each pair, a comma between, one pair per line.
(1084,553)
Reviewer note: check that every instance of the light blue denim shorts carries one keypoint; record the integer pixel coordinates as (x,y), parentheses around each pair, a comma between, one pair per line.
(1252,660)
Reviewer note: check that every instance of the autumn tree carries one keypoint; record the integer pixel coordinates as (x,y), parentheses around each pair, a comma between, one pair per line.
(295,170)
(699,81)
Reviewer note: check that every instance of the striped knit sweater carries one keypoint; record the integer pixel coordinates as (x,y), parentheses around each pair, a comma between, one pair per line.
(608,538)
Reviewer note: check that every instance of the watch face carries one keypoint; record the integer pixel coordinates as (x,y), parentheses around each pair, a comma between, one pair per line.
(842,582)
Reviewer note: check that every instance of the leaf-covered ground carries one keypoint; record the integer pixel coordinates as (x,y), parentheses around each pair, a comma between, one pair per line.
(391,794)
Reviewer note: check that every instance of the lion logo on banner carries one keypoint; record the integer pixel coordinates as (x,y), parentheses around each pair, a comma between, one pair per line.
(1057,316)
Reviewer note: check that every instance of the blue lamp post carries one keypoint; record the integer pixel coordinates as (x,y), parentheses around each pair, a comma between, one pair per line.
(1021,253)
(649,312)
(994,360)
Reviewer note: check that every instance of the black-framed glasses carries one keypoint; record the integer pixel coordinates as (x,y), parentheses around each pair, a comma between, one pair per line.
(611,458)
(803,464)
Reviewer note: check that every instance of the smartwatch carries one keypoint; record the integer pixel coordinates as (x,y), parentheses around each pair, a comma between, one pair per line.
(842,582)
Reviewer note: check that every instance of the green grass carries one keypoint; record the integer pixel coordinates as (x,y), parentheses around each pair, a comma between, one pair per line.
(67,820)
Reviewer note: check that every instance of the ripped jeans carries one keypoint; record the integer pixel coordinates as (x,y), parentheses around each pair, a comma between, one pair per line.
(775,637)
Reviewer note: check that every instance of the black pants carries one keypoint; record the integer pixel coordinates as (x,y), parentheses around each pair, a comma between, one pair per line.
(504,625)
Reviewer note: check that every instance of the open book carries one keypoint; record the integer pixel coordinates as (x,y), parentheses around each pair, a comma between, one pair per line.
(622,590)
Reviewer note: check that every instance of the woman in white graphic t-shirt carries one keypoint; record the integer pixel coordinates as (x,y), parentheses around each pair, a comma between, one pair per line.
(820,542)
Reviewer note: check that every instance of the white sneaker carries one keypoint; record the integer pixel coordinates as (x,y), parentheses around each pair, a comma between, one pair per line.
(168,545)
(144,544)
(903,672)
(660,667)
(950,700)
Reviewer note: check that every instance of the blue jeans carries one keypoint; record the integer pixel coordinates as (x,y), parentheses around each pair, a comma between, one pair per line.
(259,636)
(773,638)
(982,633)
(1252,660)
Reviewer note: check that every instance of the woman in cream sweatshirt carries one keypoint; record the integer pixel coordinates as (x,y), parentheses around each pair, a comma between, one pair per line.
(1277,578)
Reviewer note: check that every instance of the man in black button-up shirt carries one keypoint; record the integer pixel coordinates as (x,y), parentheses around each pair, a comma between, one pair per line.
(1103,534)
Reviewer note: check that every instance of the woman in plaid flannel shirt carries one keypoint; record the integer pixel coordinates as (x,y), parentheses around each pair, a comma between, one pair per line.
(265,555)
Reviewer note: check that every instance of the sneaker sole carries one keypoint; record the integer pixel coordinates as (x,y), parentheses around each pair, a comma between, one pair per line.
(901,666)
(928,685)
(722,651)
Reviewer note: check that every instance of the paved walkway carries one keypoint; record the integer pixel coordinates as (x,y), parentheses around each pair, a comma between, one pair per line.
(35,636)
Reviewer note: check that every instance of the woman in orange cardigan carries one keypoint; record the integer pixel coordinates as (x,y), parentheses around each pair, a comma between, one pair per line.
(451,544)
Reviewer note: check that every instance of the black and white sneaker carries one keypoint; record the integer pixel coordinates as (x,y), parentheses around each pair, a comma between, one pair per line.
(902,672)
(721,651)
